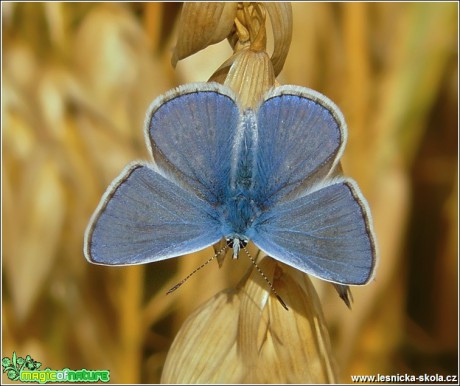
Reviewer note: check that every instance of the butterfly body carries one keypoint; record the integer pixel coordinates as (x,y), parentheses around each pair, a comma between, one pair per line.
(241,207)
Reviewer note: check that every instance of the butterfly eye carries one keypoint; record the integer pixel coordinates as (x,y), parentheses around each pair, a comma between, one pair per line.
(229,242)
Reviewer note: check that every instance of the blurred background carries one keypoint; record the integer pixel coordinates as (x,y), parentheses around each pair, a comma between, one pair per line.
(77,79)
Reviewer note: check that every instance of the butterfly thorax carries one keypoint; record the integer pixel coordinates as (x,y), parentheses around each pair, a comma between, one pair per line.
(239,212)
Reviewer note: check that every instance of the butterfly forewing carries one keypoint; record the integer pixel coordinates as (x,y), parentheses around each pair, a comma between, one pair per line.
(327,233)
(143,217)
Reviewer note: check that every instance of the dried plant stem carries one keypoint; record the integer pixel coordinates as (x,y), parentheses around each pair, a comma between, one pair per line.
(130,295)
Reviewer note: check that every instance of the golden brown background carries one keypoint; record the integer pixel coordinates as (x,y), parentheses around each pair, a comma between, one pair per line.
(77,80)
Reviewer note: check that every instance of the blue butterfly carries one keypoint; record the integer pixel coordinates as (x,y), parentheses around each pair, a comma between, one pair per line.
(266,175)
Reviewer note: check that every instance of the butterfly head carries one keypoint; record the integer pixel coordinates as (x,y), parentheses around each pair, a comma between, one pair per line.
(236,242)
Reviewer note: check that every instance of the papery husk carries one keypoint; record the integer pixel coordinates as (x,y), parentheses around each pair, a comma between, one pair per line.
(250,76)
(249,73)
(279,346)
(204,350)
(246,336)
(281,18)
(202,24)
(281,21)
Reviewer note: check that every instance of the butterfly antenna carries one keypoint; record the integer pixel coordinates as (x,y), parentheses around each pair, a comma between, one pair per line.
(266,279)
(196,270)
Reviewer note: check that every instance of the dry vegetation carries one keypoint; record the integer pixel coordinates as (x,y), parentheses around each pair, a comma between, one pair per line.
(77,80)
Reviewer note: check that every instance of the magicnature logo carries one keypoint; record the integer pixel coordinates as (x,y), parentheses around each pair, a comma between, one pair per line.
(28,370)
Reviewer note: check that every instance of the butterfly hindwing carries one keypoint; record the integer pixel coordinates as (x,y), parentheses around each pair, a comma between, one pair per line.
(190,132)
(301,136)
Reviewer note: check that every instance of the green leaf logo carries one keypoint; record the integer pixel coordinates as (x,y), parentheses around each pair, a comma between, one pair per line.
(13,375)
(13,367)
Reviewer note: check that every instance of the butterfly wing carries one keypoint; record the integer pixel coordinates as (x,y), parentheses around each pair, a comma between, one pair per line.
(301,137)
(144,217)
(326,233)
(191,132)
